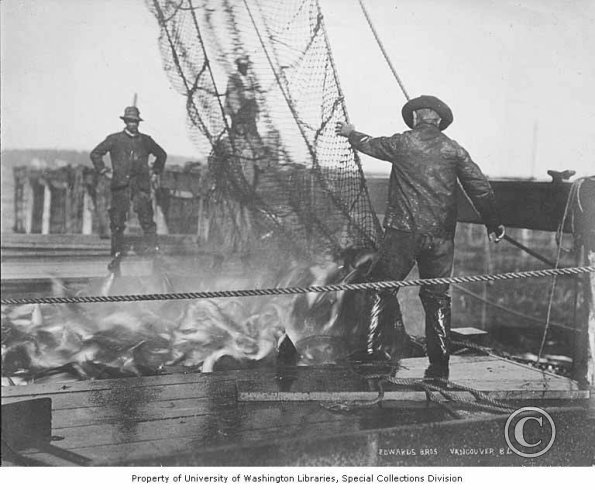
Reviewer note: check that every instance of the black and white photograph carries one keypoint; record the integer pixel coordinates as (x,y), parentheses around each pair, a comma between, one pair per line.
(298,242)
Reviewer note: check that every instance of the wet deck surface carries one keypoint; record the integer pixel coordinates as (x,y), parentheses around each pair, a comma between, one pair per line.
(497,377)
(200,419)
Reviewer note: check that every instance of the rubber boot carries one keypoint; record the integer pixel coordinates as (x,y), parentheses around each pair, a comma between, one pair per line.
(438,314)
(114,265)
(150,246)
(386,333)
(117,243)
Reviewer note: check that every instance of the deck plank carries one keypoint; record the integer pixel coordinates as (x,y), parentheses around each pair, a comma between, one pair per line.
(249,424)
(159,380)
(126,420)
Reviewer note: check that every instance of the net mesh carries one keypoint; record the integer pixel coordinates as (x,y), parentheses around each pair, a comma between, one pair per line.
(278,171)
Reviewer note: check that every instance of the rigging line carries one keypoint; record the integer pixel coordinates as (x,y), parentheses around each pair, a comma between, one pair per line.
(338,201)
(465,195)
(571,196)
(240,42)
(237,42)
(289,102)
(175,12)
(262,102)
(174,53)
(208,65)
(264,208)
(384,53)
(360,170)
(510,240)
(295,16)
(398,79)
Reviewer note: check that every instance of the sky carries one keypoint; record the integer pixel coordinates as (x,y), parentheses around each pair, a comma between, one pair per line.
(518,75)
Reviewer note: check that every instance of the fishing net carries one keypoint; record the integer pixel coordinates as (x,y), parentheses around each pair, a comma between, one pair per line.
(279,173)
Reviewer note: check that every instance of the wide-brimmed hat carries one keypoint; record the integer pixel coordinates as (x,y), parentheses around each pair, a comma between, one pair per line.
(131,113)
(427,102)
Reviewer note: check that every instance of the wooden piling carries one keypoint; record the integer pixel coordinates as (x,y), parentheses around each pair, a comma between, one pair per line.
(591,325)
(584,238)
(87,226)
(45,217)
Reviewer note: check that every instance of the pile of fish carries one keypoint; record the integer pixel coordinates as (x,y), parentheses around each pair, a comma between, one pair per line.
(43,343)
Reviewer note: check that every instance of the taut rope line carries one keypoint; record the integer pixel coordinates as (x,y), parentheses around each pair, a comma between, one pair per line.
(299,290)
(384,53)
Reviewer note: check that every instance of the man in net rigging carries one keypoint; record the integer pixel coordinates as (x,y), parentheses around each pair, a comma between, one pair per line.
(420,222)
(240,101)
(131,181)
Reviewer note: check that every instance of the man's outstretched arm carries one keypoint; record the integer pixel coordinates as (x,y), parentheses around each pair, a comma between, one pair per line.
(382,148)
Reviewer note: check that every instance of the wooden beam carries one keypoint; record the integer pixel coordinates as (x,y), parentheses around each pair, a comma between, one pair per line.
(521,204)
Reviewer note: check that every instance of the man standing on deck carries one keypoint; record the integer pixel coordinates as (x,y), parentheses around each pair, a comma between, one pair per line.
(132,180)
(421,218)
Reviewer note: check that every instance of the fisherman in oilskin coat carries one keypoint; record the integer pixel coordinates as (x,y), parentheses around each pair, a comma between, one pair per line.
(132,179)
(240,101)
(421,218)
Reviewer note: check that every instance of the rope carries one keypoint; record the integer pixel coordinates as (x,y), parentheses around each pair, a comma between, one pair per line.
(480,396)
(283,85)
(300,290)
(440,385)
(572,193)
(431,388)
(468,199)
(381,46)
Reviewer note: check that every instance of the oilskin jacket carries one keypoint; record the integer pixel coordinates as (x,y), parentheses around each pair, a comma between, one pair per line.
(426,164)
(129,155)
(241,91)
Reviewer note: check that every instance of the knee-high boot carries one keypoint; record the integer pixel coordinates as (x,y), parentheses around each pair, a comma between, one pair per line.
(386,332)
(117,245)
(117,242)
(438,314)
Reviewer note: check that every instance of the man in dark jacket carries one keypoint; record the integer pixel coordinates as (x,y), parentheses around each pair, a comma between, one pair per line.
(132,179)
(240,101)
(421,218)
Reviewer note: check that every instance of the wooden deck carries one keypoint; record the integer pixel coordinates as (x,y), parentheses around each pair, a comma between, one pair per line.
(499,378)
(34,256)
(214,420)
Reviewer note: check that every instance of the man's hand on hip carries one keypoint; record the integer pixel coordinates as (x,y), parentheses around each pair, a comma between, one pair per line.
(344,129)
(155,181)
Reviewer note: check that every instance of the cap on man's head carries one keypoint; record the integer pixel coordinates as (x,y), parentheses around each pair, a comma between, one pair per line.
(131,114)
(427,102)
(242,60)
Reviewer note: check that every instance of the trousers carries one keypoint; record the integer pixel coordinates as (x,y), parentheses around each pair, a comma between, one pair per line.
(118,213)
(399,252)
